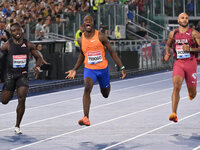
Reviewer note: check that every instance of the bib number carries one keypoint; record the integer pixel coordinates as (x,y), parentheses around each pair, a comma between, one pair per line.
(19,61)
(181,54)
(94,57)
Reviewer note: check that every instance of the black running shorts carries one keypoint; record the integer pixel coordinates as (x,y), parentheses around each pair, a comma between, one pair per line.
(15,80)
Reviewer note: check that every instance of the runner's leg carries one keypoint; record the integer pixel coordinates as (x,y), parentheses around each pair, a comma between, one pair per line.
(177,82)
(6,96)
(21,93)
(105,92)
(86,96)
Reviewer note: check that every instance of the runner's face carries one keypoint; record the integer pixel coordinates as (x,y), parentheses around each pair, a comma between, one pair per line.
(183,20)
(88,23)
(16,32)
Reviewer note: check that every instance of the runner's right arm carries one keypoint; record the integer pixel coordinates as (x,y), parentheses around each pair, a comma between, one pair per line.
(169,46)
(5,47)
(72,73)
(3,52)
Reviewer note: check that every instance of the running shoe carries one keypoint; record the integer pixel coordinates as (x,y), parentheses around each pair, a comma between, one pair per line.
(173,117)
(84,121)
(17,130)
(191,98)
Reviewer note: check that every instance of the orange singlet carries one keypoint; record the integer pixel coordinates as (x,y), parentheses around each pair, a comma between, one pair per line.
(94,52)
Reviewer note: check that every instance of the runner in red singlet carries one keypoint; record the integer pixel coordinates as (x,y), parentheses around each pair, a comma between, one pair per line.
(185,43)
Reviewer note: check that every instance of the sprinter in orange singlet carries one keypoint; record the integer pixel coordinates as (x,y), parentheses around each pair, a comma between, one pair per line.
(92,44)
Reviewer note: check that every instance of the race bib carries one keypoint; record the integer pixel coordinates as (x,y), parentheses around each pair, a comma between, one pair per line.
(94,57)
(181,54)
(19,61)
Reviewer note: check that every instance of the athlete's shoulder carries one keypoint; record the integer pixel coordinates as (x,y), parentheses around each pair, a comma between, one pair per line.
(31,45)
(28,42)
(194,32)
(9,41)
(79,40)
(101,36)
(171,33)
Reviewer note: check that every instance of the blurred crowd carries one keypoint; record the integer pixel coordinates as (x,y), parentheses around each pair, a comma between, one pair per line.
(45,12)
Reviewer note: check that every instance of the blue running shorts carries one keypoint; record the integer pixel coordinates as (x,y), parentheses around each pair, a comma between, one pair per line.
(102,75)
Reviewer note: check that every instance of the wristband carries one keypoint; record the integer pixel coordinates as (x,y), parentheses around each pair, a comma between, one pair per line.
(123,67)
(38,68)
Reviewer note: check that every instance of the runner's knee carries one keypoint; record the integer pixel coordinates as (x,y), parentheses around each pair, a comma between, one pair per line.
(3,101)
(105,95)
(177,87)
(105,92)
(21,100)
(88,87)
(6,96)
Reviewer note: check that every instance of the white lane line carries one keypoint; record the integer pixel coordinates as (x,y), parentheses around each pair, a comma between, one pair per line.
(74,131)
(143,134)
(196,148)
(140,111)
(60,102)
(99,106)
(112,82)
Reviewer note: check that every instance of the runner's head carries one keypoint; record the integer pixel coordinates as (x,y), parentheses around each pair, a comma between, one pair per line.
(183,19)
(16,31)
(88,23)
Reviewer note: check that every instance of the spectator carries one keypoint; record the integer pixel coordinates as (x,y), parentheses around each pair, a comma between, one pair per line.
(190,7)
(116,1)
(84,5)
(45,65)
(45,26)
(6,10)
(97,3)
(107,2)
(198,26)
(58,21)
(1,8)
(60,11)
(38,29)
(77,36)
(140,6)
(3,36)
(142,32)
(13,15)
(46,11)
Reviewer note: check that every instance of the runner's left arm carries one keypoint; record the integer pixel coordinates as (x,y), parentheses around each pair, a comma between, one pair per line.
(196,38)
(3,53)
(114,56)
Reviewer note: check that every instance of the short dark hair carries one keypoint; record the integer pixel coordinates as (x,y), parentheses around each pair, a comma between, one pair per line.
(15,24)
(57,16)
(39,19)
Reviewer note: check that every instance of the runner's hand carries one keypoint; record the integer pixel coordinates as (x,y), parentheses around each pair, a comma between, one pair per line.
(186,47)
(71,74)
(37,71)
(123,74)
(167,57)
